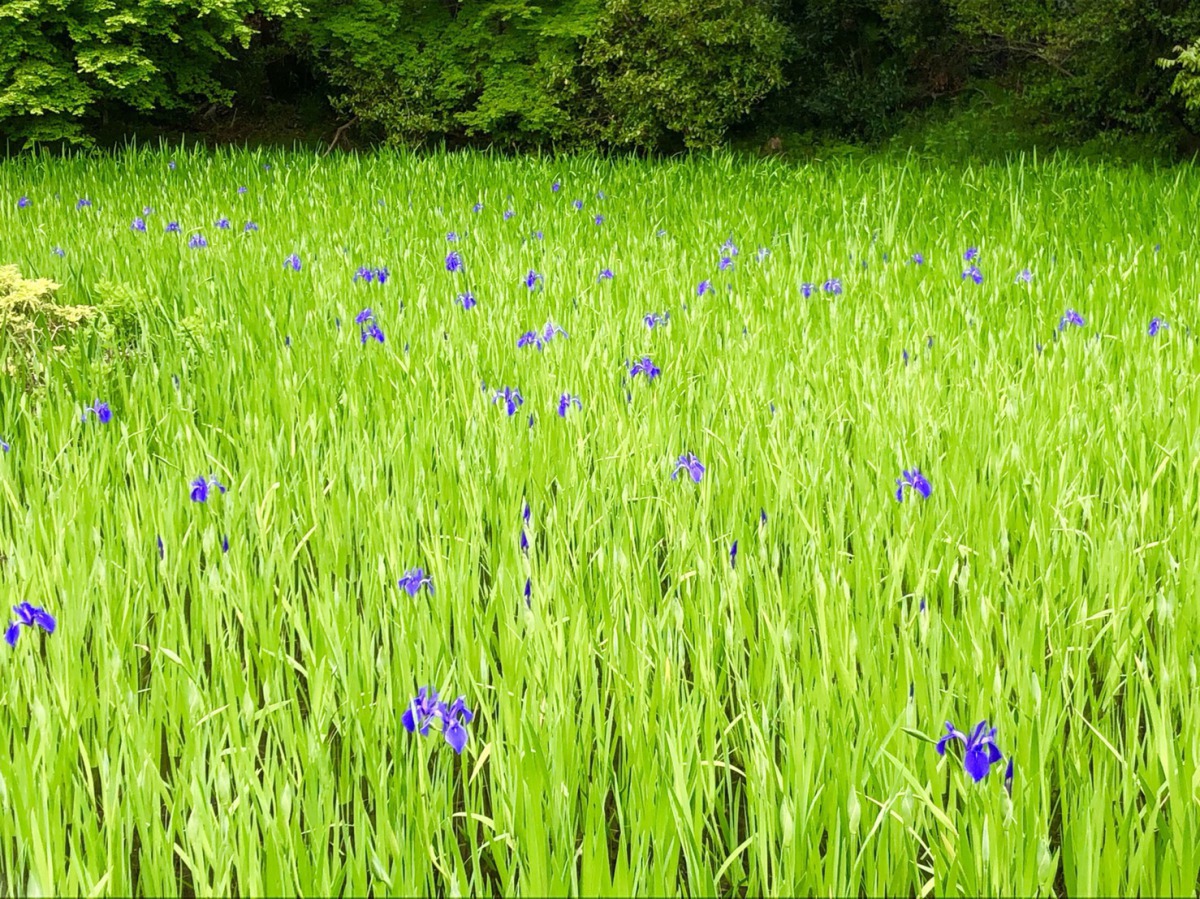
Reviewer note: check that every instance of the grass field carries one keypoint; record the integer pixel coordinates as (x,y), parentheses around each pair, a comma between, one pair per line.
(648,717)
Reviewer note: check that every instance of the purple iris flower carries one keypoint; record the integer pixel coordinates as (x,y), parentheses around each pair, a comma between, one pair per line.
(147,210)
(4,447)
(453,261)
(645,367)
(242,190)
(364,274)
(1156,325)
(981,751)
(972,253)
(529,338)
(556,186)
(806,290)
(59,252)
(528,591)
(763,518)
(23,202)
(197,242)
(452,236)
(973,272)
(382,274)
(83,202)
(524,542)
(201,486)
(691,465)
(606,274)
(1071,317)
(833,285)
(365,316)
(537,235)
(550,330)
(733,555)
(427,708)
(250,226)
(28,616)
(918,259)
(913,480)
(725,263)
(172,228)
(292,262)
(413,580)
(225,544)
(565,402)
(1025,275)
(512,399)
(508,213)
(368,328)
(162,552)
(599,220)
(467,299)
(763,253)
(478,207)
(578,204)
(139,224)
(653,319)
(171,165)
(704,287)
(729,248)
(100,409)
(532,279)
(222,223)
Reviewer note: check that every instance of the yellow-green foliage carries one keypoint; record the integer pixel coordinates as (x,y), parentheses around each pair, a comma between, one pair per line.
(28,311)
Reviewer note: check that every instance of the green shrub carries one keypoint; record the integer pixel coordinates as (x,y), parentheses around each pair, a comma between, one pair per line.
(65,63)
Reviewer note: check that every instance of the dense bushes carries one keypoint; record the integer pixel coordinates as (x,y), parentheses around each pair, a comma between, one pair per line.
(66,63)
(653,74)
(623,72)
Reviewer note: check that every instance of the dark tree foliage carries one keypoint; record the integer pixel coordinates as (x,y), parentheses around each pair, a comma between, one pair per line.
(63,63)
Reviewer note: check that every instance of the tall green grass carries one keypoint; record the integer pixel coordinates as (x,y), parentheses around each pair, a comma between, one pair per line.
(653,721)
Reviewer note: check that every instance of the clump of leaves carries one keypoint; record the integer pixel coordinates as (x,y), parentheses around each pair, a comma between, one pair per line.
(31,321)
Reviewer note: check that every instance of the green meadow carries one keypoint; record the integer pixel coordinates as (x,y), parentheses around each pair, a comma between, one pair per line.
(651,717)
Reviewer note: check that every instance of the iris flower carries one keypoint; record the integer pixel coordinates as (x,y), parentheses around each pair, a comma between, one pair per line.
(512,399)
(23,202)
(250,226)
(972,253)
(973,272)
(172,228)
(453,261)
(413,580)
(806,290)
(833,285)
(556,186)
(508,213)
(980,753)
(1025,275)
(202,485)
(467,299)
(550,330)
(83,203)
(100,409)
(1156,325)
(28,615)
(691,465)
(197,242)
(704,287)
(725,263)
(1071,317)
(645,366)
(565,402)
(913,480)
(427,708)
(529,338)
(606,274)
(654,319)
(293,262)
(222,223)
(733,555)
(139,224)
(918,259)
(532,279)
(451,236)
(578,204)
